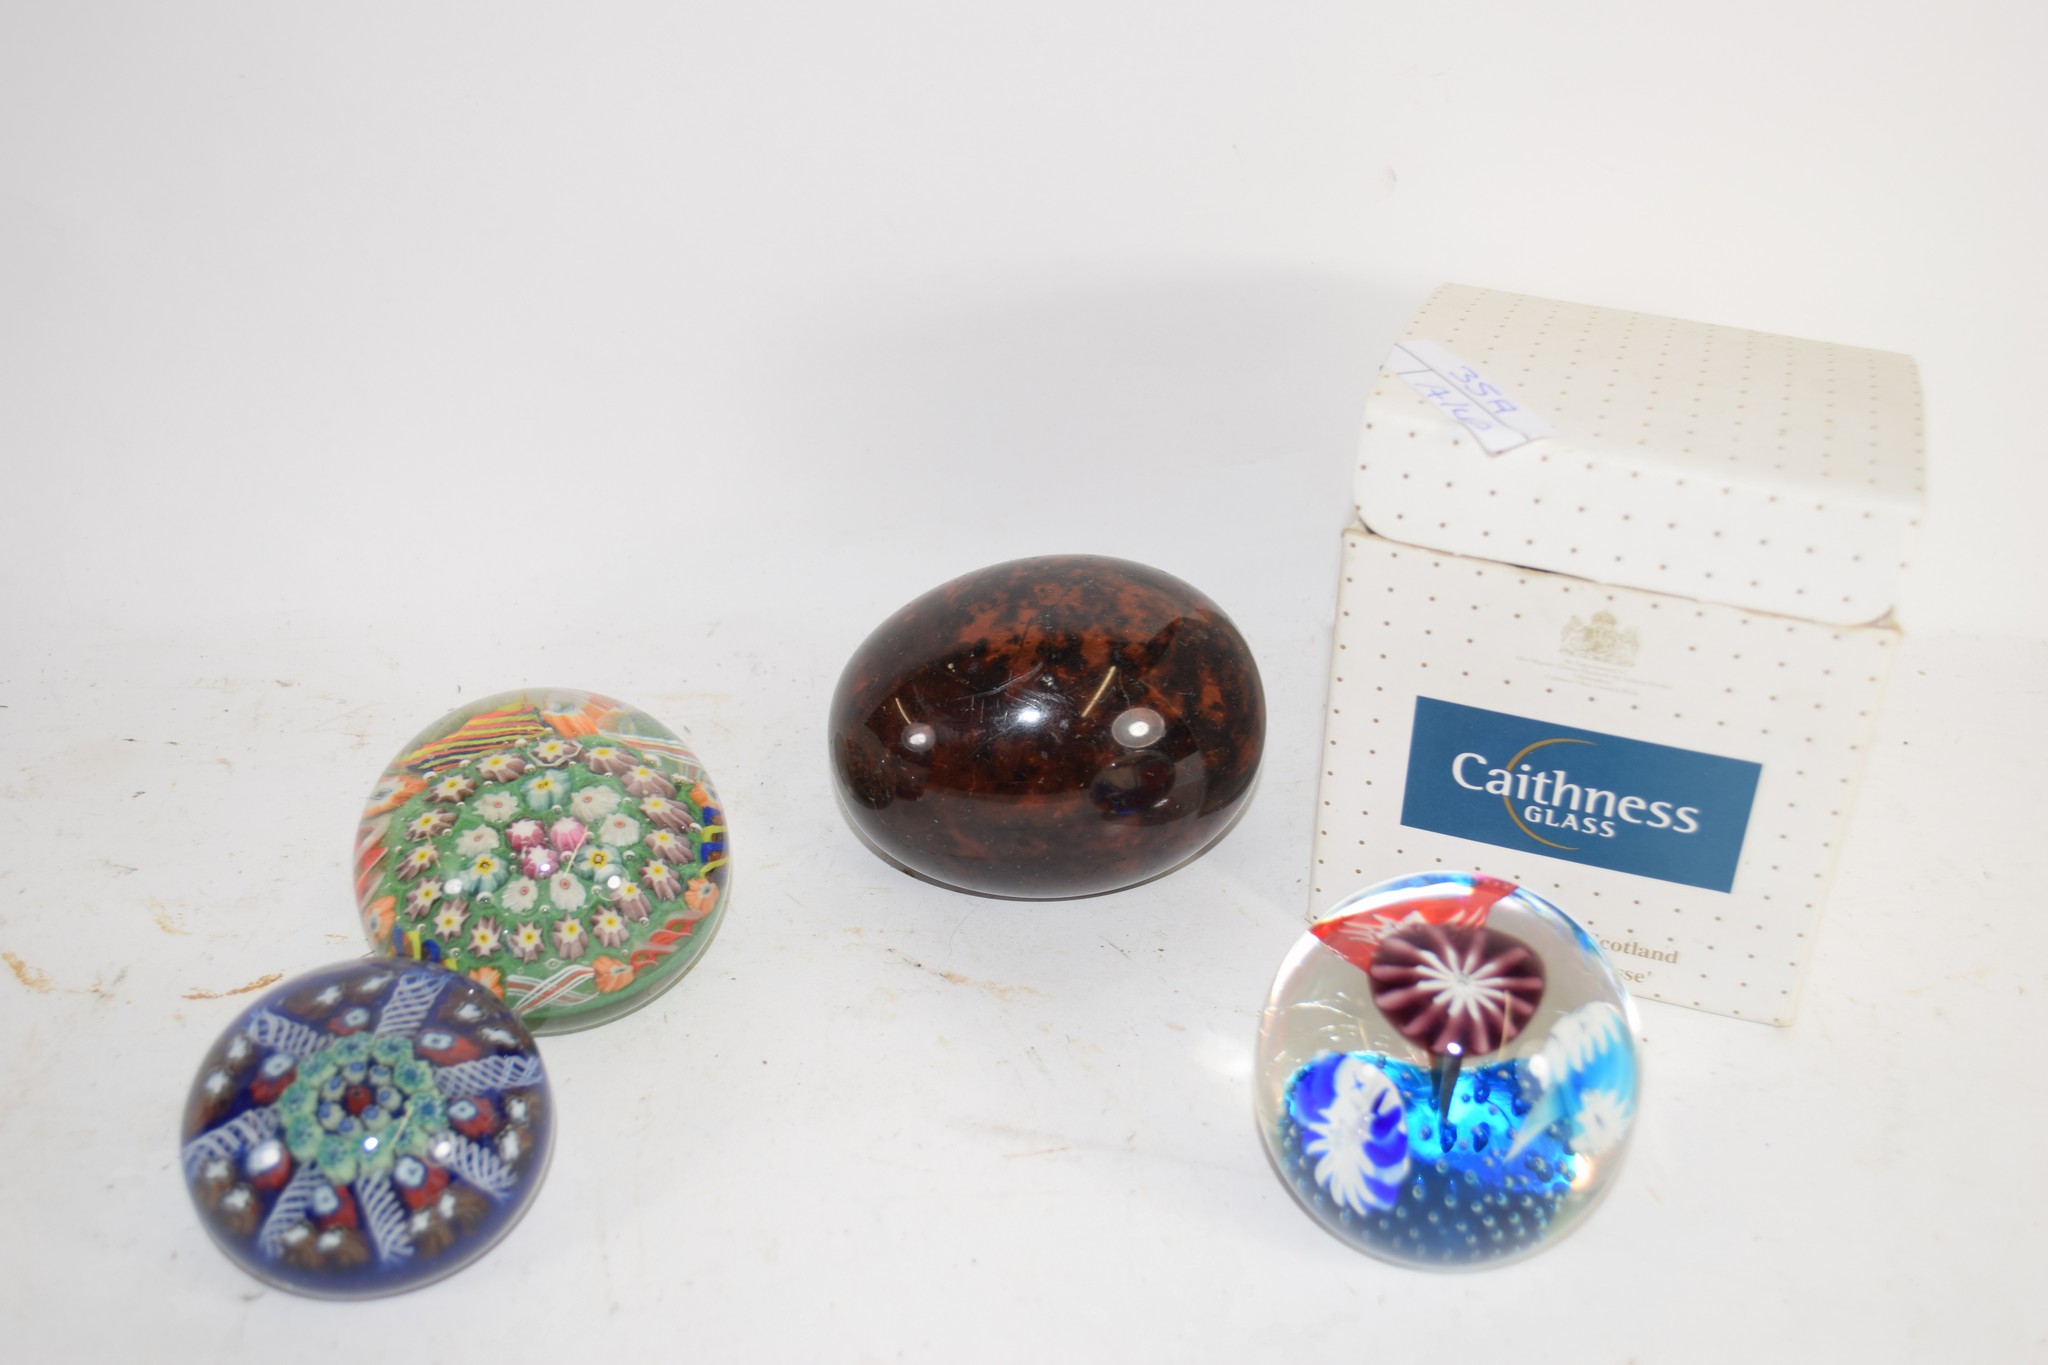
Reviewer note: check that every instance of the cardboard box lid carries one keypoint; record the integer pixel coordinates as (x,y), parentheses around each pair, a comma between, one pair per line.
(1710,462)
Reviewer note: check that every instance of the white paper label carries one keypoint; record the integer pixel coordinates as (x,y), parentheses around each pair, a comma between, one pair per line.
(1462,393)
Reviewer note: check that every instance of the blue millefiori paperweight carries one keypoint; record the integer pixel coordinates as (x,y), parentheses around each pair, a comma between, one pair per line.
(1447,1071)
(367,1128)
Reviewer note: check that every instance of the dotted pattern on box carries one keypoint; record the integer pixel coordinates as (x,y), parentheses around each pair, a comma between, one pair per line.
(1797,696)
(1734,466)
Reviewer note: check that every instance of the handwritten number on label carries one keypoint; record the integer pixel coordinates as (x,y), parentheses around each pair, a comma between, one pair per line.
(1461,393)
(1475,384)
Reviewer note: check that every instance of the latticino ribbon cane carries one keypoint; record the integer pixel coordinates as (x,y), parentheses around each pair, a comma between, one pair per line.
(662,942)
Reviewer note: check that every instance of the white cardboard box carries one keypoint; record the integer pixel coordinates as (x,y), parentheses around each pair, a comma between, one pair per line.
(1615,626)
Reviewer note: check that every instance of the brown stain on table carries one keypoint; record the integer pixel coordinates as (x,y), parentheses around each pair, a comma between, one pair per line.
(38,980)
(268,979)
(999,991)
(33,978)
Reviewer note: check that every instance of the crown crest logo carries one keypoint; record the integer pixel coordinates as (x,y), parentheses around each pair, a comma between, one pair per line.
(1601,640)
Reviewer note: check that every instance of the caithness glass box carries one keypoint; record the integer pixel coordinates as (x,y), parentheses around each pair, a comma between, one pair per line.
(1614,624)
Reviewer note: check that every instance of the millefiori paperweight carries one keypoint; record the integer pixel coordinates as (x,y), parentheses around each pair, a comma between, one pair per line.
(1447,1071)
(366,1129)
(565,851)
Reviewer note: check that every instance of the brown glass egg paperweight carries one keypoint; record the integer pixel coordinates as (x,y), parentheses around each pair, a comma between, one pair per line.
(1047,728)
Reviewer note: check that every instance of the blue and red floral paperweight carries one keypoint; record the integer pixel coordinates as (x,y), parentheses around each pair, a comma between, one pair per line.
(1447,1072)
(366,1129)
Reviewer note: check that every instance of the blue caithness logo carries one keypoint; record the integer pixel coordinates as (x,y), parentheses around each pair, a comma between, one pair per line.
(1674,814)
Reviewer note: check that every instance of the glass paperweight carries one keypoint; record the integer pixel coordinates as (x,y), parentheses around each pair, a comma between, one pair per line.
(1050,727)
(563,850)
(366,1129)
(1447,1071)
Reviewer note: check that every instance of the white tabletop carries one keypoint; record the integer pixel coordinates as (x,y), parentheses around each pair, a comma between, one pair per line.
(358,361)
